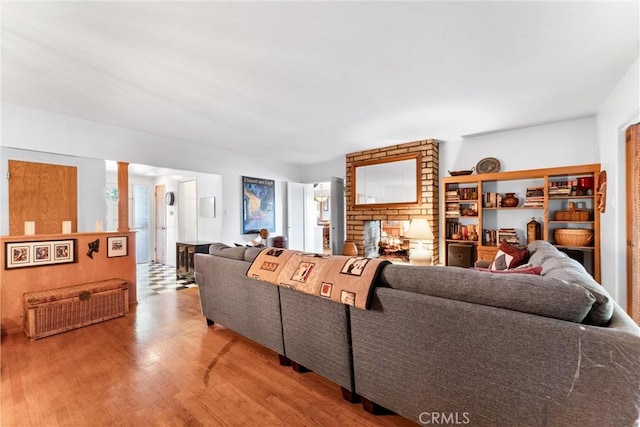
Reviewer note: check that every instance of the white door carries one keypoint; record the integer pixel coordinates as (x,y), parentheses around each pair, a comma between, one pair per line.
(295,215)
(301,216)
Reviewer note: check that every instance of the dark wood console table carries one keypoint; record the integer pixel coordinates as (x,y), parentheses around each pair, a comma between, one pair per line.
(184,257)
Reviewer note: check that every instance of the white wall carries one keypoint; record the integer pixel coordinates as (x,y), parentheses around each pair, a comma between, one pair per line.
(210,229)
(324,171)
(572,142)
(91,177)
(31,129)
(619,111)
(186,199)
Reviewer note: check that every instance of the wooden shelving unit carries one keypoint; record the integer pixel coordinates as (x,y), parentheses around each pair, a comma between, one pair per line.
(518,182)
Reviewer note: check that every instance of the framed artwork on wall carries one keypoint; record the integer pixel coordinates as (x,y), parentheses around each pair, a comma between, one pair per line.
(258,205)
(35,254)
(117,246)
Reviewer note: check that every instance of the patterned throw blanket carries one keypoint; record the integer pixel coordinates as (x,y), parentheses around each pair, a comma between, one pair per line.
(344,279)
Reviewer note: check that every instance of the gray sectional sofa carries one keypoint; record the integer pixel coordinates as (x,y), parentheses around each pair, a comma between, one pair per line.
(446,345)
(284,320)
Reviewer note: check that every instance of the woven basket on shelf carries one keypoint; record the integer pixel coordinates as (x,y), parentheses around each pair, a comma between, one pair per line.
(573,236)
(575,215)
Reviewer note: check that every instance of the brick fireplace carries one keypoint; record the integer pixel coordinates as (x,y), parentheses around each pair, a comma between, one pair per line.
(359,219)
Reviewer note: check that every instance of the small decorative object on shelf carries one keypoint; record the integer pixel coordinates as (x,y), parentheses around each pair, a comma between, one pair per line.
(264,234)
(585,185)
(572,214)
(510,200)
(461,173)
(573,236)
(349,248)
(488,165)
(533,230)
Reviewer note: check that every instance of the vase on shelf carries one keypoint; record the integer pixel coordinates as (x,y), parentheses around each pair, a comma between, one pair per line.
(349,248)
(510,200)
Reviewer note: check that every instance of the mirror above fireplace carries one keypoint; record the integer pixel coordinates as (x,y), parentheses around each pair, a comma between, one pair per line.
(388,182)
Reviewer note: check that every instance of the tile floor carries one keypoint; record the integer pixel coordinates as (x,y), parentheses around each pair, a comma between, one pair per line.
(154,279)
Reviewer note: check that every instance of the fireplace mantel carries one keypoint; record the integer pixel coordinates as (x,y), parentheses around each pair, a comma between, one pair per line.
(427,208)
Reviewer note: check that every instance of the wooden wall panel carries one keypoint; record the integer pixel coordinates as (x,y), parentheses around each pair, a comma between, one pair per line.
(44,193)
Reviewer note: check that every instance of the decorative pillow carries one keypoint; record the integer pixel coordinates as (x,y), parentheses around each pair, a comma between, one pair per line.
(529,270)
(509,256)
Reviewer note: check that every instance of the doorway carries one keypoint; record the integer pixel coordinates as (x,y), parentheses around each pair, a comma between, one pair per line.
(140,217)
(322,197)
(160,254)
(315,216)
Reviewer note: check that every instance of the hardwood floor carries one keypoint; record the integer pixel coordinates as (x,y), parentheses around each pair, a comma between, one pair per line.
(159,366)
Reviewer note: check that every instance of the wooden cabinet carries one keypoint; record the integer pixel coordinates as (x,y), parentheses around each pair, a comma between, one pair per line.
(486,253)
(475,211)
(184,257)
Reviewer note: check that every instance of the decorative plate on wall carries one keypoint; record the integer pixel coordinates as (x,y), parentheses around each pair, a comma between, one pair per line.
(488,165)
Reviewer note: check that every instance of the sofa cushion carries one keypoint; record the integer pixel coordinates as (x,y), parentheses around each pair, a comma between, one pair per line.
(251,253)
(556,264)
(509,256)
(222,250)
(543,254)
(543,296)
(572,271)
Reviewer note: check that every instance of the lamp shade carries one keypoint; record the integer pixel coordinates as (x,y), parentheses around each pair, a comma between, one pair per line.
(419,229)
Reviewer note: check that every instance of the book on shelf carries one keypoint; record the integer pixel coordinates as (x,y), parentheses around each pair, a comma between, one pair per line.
(561,188)
(534,197)
(452,209)
(494,237)
(452,196)
(490,237)
(468,193)
(535,192)
(464,193)
(492,200)
(508,234)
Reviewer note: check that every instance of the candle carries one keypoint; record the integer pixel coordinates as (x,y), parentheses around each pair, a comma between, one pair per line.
(29,228)
(66,227)
(98,225)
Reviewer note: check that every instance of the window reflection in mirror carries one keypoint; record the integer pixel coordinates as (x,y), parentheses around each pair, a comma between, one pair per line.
(387,182)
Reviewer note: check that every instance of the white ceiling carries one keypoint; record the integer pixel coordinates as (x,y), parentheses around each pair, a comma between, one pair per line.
(307,82)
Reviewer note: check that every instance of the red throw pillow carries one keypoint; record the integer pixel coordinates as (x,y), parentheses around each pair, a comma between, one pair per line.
(509,256)
(537,270)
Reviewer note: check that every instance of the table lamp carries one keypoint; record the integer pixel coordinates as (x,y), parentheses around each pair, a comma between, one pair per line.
(420,231)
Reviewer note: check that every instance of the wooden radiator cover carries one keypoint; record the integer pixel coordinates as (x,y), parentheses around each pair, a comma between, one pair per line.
(58,310)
